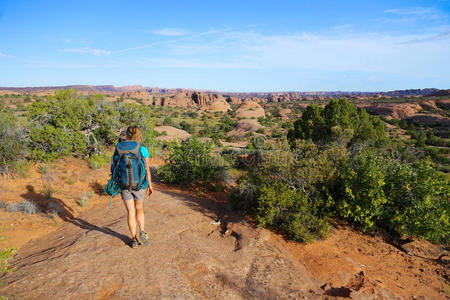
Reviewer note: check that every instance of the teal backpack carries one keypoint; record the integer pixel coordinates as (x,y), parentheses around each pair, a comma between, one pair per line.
(128,169)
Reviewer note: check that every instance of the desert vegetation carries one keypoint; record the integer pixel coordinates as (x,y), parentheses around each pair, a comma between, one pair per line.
(302,168)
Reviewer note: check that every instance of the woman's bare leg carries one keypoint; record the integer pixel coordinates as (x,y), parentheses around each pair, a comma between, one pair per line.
(129,204)
(139,213)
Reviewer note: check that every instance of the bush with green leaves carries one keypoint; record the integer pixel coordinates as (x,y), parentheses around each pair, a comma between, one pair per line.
(13,140)
(289,188)
(284,207)
(418,201)
(189,161)
(68,123)
(138,115)
(339,121)
(5,255)
(375,190)
(297,189)
(97,161)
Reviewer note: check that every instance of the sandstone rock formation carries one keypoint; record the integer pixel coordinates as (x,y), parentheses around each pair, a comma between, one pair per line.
(179,100)
(392,110)
(172,133)
(200,98)
(145,97)
(250,109)
(218,104)
(283,113)
(243,127)
(234,100)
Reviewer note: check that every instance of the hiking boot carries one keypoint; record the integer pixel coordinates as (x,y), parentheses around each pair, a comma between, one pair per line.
(134,243)
(143,236)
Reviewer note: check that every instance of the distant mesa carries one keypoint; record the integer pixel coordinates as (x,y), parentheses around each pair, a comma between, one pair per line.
(236,97)
(440,93)
(248,102)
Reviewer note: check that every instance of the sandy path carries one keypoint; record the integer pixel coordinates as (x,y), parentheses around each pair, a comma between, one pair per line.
(87,258)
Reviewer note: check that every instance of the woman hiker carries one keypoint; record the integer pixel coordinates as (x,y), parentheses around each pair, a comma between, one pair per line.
(134,198)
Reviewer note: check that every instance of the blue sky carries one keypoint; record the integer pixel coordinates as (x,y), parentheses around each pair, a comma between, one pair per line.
(227,45)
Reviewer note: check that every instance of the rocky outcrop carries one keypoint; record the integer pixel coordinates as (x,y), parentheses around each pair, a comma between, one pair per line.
(283,113)
(171,133)
(179,100)
(392,110)
(243,127)
(200,98)
(217,104)
(234,100)
(143,96)
(431,119)
(250,109)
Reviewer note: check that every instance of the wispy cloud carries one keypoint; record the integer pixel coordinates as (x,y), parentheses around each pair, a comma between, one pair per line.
(87,50)
(430,37)
(342,27)
(170,31)
(411,11)
(167,42)
(195,64)
(336,51)
(345,52)
(3,55)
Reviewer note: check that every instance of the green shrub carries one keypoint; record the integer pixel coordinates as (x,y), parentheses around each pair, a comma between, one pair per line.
(339,121)
(48,191)
(84,200)
(13,142)
(186,126)
(377,191)
(97,161)
(244,198)
(417,201)
(68,123)
(21,168)
(277,133)
(137,115)
(189,161)
(44,169)
(5,255)
(286,208)
(362,197)
(168,121)
(290,189)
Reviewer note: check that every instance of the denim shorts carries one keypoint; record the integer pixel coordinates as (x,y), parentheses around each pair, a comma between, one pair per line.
(133,194)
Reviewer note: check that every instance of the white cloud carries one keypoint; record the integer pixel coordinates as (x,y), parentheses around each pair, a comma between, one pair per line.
(96,52)
(3,55)
(168,42)
(194,64)
(337,51)
(355,53)
(411,11)
(345,52)
(170,32)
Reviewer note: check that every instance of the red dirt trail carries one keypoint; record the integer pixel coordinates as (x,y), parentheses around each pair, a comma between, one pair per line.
(86,257)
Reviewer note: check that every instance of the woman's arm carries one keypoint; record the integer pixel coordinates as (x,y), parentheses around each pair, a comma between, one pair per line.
(149,176)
